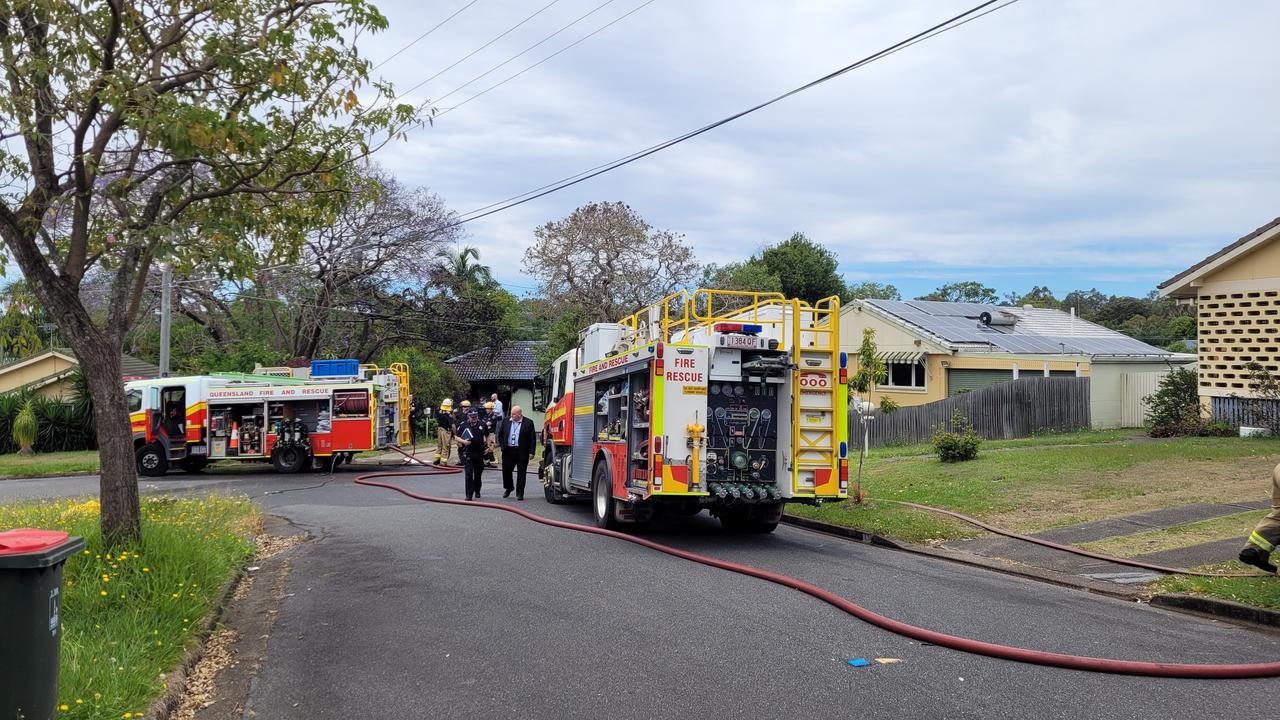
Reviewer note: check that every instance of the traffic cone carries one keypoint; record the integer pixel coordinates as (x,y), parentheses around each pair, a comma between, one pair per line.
(235,436)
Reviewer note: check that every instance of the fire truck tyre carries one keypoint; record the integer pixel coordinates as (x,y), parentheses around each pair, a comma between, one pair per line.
(324,464)
(289,459)
(152,460)
(547,474)
(602,497)
(193,464)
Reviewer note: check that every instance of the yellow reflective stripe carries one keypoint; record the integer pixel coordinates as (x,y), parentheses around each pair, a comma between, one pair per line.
(1261,542)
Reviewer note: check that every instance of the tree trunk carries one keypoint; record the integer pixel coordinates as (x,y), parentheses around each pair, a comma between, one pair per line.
(118,485)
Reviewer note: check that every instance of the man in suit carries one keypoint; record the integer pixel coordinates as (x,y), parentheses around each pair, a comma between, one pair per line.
(516,438)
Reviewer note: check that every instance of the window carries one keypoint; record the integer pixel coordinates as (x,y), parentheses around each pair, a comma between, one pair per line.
(351,404)
(562,379)
(905,375)
(134,398)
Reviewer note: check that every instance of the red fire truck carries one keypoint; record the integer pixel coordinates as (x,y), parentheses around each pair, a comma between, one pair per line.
(729,401)
(294,423)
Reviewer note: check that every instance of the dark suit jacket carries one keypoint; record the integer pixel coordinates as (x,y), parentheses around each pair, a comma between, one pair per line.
(527,435)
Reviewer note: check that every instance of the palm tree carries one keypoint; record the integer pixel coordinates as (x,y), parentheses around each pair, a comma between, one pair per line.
(462,268)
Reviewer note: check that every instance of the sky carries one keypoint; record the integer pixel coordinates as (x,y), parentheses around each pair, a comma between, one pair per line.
(1067,143)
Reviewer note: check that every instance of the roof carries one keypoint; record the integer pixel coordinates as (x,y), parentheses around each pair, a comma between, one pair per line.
(1018,330)
(514,361)
(129,366)
(1177,285)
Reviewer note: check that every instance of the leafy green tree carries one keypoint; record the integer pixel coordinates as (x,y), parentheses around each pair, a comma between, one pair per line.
(461,267)
(807,270)
(748,276)
(1086,302)
(871,371)
(968,292)
(1038,296)
(21,317)
(869,290)
(139,133)
(430,379)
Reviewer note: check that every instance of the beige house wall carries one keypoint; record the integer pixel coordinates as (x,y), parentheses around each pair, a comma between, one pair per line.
(20,375)
(1237,323)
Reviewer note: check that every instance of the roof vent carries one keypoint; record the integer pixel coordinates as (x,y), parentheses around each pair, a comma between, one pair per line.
(997,318)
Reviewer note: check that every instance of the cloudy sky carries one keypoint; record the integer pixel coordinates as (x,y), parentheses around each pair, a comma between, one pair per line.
(1068,143)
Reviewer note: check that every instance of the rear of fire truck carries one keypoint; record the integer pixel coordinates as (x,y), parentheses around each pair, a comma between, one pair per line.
(730,402)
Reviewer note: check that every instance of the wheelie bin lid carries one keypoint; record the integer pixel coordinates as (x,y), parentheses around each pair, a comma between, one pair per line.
(29,548)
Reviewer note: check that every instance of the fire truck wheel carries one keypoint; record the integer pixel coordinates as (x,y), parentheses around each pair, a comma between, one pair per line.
(324,464)
(193,464)
(602,501)
(747,521)
(289,459)
(152,460)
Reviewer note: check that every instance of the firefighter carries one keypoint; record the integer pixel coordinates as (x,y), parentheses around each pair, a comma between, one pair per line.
(444,432)
(460,416)
(471,443)
(490,418)
(1265,537)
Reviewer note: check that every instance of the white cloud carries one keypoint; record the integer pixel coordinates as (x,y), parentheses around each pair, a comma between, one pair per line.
(1077,141)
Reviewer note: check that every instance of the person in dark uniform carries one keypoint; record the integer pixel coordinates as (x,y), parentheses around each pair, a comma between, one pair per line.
(471,440)
(516,436)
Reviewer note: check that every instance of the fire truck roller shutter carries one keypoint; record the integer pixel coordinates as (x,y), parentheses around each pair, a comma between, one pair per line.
(584,391)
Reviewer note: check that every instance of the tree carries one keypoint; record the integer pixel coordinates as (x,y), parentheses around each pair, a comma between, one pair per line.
(137,132)
(872,371)
(1086,302)
(21,319)
(1038,296)
(461,267)
(869,290)
(969,292)
(749,276)
(606,261)
(807,270)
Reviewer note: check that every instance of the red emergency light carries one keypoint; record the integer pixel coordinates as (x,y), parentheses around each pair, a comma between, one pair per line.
(745,328)
(656,453)
(658,352)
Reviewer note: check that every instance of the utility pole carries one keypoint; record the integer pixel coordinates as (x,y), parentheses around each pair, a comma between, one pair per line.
(166,316)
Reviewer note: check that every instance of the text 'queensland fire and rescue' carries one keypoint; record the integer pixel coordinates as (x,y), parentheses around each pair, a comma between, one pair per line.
(689,375)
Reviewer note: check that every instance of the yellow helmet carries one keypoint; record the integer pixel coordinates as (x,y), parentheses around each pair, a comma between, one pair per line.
(447,404)
(466,403)
(488,405)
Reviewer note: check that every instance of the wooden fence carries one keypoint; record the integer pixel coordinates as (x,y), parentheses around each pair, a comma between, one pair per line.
(1134,389)
(1015,409)
(1237,411)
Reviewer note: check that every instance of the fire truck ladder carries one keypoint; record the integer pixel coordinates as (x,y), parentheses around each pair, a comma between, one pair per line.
(816,424)
(401,371)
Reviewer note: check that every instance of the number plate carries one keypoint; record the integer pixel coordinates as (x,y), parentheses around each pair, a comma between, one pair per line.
(198,450)
(751,342)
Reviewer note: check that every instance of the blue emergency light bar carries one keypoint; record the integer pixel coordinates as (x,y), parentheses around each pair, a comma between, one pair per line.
(745,328)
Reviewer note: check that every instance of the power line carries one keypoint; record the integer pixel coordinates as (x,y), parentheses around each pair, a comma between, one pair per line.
(469,55)
(424,35)
(570,46)
(942,27)
(570,24)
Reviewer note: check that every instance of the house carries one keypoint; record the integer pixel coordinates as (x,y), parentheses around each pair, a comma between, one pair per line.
(511,371)
(1236,293)
(935,350)
(49,372)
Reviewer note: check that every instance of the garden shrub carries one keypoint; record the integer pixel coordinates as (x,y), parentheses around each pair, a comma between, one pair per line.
(958,444)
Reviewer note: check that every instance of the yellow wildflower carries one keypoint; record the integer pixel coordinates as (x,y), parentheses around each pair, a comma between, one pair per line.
(103,593)
(64,707)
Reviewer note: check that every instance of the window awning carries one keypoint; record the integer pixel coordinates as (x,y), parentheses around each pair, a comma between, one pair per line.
(904,356)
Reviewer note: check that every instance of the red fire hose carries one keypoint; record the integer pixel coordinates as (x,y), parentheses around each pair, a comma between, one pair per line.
(1037,657)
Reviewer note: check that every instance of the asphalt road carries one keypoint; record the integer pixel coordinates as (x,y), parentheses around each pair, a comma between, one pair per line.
(404,609)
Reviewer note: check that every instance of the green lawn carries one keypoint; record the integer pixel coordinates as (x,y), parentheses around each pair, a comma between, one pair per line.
(1259,591)
(1059,481)
(1084,437)
(129,616)
(48,464)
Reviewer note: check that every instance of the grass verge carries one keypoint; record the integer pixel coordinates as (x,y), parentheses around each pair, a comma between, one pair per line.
(1221,528)
(1259,591)
(129,616)
(1083,437)
(48,464)
(1039,487)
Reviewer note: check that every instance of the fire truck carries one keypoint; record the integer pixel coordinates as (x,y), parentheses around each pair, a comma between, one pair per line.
(733,402)
(296,423)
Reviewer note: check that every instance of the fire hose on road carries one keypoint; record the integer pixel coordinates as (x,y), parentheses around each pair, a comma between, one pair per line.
(1005,652)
